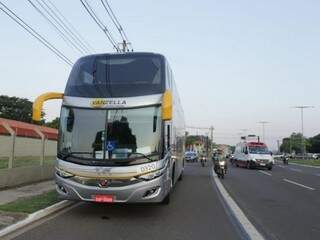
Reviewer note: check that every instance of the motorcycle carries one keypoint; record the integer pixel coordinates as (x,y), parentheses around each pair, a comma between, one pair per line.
(285,160)
(221,169)
(203,161)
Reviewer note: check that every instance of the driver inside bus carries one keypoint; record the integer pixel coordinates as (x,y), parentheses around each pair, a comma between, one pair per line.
(119,132)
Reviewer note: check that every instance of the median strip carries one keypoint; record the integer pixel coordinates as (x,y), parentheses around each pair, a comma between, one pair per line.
(31,209)
(299,184)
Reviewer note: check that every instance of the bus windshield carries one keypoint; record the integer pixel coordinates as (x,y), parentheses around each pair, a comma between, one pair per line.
(113,136)
(259,150)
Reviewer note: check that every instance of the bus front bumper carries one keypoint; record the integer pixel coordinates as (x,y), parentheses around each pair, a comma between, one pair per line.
(145,191)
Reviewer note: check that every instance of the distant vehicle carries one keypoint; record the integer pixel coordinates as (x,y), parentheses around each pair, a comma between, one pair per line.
(285,159)
(203,160)
(316,156)
(253,155)
(191,156)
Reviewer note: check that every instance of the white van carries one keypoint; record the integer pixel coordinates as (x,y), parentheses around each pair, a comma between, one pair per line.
(253,155)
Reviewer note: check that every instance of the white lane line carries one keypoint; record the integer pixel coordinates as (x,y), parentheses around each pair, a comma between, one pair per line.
(243,220)
(280,166)
(266,173)
(298,184)
(295,169)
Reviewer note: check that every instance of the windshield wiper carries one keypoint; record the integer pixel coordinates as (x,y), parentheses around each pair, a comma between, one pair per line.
(65,155)
(140,154)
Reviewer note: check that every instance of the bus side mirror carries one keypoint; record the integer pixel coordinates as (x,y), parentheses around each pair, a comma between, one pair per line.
(167,106)
(38,104)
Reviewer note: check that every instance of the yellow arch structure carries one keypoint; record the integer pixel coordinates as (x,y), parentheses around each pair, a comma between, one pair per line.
(38,103)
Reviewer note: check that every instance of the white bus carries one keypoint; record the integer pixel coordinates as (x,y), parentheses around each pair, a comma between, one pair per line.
(122,130)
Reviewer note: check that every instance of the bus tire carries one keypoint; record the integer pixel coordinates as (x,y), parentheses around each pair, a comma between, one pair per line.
(181,176)
(166,200)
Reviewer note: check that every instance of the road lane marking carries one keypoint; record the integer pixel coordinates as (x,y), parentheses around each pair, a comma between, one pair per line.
(318,174)
(237,212)
(266,173)
(280,166)
(295,169)
(298,184)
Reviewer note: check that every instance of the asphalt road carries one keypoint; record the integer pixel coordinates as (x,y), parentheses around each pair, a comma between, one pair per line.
(283,203)
(195,212)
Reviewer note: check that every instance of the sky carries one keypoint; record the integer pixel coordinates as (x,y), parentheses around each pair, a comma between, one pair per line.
(235,62)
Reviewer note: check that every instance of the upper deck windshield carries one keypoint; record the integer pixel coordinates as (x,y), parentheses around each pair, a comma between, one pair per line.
(258,150)
(110,137)
(124,75)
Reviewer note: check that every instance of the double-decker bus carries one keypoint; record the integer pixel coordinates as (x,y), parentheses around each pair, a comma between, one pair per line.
(122,130)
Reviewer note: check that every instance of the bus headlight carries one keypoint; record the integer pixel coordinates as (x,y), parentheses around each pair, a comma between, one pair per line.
(152,175)
(63,174)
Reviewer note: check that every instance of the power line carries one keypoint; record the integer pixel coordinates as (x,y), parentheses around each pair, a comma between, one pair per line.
(67,25)
(125,40)
(62,34)
(35,34)
(100,24)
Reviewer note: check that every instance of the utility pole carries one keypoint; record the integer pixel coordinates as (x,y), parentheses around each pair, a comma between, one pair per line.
(211,136)
(302,107)
(263,123)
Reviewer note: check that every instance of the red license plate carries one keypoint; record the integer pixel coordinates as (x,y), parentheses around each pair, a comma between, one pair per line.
(103,198)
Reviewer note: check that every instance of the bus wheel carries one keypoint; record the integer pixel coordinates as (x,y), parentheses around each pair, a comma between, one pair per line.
(181,176)
(166,200)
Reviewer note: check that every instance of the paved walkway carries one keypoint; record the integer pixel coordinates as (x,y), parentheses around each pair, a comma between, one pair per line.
(13,194)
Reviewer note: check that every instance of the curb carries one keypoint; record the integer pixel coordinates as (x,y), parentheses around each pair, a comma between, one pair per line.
(303,165)
(247,226)
(33,217)
(299,164)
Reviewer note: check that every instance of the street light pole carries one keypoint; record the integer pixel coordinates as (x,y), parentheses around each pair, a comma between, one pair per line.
(263,123)
(302,107)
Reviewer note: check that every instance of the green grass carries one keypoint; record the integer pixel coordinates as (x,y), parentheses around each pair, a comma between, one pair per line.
(31,204)
(26,161)
(311,162)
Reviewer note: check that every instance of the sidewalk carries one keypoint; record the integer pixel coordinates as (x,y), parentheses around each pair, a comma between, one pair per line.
(13,194)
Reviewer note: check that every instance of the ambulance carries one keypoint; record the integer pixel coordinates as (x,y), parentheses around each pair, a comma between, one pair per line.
(253,154)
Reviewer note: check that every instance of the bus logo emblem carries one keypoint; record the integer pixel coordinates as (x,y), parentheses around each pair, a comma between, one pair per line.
(103,183)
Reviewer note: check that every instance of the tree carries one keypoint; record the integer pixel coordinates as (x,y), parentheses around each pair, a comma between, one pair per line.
(15,108)
(293,143)
(54,123)
(314,146)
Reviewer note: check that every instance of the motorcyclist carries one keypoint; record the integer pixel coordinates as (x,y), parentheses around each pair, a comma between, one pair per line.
(217,157)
